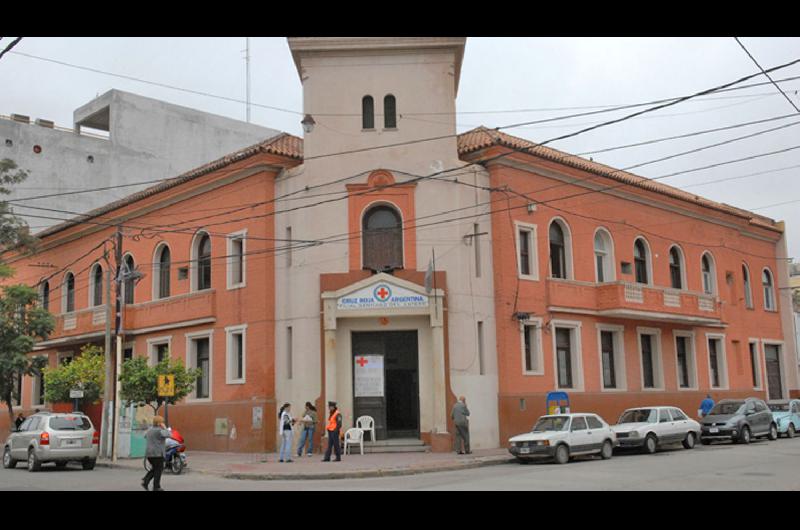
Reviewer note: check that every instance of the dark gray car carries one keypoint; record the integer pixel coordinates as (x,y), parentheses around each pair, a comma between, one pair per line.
(738,420)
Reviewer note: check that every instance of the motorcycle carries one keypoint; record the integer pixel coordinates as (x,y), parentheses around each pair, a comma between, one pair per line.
(175,460)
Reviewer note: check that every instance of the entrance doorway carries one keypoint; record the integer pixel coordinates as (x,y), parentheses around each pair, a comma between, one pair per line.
(772,356)
(386,381)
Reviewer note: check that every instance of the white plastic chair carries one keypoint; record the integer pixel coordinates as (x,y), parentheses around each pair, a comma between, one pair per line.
(354,436)
(366,423)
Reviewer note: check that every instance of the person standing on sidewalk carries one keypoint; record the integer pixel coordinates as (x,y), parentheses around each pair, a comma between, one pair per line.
(332,430)
(705,406)
(286,422)
(460,417)
(309,422)
(156,437)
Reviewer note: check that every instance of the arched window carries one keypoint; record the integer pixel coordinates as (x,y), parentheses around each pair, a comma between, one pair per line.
(161,273)
(367,113)
(640,258)
(44,295)
(129,284)
(96,290)
(709,274)
(382,239)
(748,291)
(68,304)
(603,256)
(204,262)
(559,248)
(769,294)
(389,112)
(675,268)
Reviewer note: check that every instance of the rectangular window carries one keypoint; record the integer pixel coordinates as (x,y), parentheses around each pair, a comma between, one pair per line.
(524,252)
(564,357)
(236,346)
(237,257)
(202,361)
(289,347)
(127,354)
(476,244)
(683,362)
(481,362)
(648,368)
(713,360)
(607,353)
(162,352)
(754,364)
(533,348)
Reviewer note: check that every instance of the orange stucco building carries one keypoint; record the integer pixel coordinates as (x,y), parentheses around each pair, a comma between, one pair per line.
(285,268)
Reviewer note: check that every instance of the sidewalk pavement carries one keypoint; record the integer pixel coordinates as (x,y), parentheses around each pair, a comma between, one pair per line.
(260,466)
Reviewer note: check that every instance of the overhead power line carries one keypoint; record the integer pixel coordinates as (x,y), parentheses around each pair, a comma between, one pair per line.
(10,46)
(766,74)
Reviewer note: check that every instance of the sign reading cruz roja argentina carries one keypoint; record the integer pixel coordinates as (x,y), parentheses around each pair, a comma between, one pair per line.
(382,296)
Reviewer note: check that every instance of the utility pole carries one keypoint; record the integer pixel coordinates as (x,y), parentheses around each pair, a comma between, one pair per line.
(118,336)
(107,390)
(247,69)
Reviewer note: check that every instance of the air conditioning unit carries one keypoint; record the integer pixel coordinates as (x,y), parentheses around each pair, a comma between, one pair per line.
(45,123)
(21,118)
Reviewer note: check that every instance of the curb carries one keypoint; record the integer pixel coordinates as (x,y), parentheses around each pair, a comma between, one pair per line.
(376,473)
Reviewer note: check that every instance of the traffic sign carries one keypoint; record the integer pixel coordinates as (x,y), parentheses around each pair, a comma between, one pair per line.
(166,385)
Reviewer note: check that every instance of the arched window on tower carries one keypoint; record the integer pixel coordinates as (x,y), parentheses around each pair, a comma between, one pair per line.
(367,112)
(675,268)
(128,285)
(68,305)
(389,112)
(769,294)
(97,286)
(161,272)
(382,239)
(558,251)
(45,296)
(204,262)
(640,259)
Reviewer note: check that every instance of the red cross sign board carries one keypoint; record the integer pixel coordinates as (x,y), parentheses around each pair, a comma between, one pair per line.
(368,380)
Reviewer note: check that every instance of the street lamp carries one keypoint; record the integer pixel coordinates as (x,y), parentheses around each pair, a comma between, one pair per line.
(308,123)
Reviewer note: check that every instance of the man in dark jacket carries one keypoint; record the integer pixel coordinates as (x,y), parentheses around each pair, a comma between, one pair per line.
(460,417)
(333,429)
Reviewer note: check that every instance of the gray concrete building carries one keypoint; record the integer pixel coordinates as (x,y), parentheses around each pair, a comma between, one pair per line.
(117,139)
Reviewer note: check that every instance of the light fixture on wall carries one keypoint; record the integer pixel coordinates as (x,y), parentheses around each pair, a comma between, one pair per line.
(308,123)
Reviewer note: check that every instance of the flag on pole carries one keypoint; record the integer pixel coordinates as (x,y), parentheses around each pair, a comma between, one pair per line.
(429,277)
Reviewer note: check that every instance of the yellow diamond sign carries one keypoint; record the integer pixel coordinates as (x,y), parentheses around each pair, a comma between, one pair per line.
(166,385)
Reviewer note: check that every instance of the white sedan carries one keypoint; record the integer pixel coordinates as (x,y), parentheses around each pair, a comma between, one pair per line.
(563,436)
(648,428)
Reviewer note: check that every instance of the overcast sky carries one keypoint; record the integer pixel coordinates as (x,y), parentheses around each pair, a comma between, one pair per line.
(497,74)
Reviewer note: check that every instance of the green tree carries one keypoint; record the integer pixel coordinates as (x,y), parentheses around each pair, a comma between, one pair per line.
(22,322)
(14,232)
(139,382)
(86,371)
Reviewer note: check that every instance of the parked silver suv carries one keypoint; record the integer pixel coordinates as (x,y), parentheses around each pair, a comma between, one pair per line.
(47,437)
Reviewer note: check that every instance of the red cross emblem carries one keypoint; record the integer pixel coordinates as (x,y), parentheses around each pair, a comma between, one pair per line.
(361,362)
(382,293)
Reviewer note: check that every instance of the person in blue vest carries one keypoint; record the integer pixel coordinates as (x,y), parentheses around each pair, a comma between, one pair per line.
(706,405)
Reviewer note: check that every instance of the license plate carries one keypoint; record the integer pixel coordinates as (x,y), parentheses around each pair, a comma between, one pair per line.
(70,443)
(524,450)
(713,430)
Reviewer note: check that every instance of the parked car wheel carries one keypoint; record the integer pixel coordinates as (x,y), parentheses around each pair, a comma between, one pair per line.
(773,432)
(562,454)
(34,464)
(607,451)
(744,438)
(8,462)
(790,431)
(650,444)
(689,441)
(88,465)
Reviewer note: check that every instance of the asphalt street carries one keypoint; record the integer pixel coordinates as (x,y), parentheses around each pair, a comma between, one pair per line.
(762,465)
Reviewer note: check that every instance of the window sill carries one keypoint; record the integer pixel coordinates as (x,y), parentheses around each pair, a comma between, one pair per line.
(688,389)
(236,286)
(613,390)
(390,129)
(533,374)
(528,278)
(367,130)
(235,382)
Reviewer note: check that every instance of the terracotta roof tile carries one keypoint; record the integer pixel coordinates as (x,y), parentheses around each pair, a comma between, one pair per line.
(482,137)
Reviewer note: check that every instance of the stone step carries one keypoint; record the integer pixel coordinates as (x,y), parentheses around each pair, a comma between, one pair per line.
(395,448)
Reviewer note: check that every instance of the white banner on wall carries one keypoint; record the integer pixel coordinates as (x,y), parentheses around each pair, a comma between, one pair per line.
(368,375)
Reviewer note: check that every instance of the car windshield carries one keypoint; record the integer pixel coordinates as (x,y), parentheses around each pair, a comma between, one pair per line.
(638,416)
(779,407)
(70,423)
(552,423)
(730,407)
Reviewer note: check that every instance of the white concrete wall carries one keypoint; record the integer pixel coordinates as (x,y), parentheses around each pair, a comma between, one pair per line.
(149,140)
(421,81)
